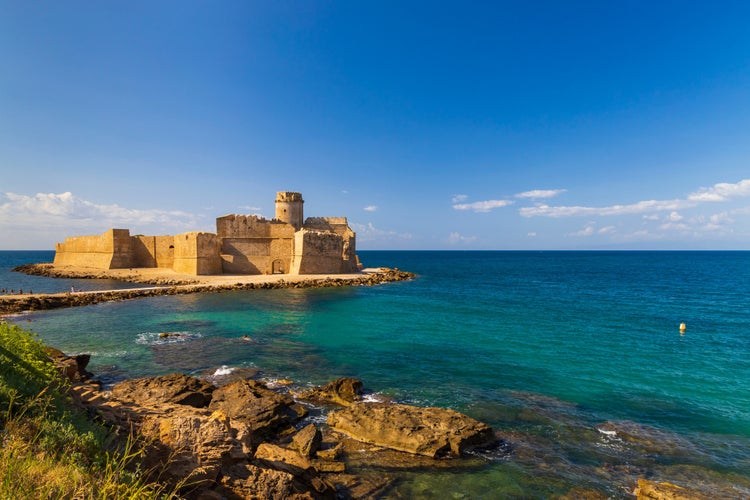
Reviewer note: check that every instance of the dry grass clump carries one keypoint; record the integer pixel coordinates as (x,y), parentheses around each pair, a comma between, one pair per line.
(49,448)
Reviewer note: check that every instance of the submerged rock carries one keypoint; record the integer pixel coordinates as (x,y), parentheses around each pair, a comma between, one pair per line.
(433,432)
(652,490)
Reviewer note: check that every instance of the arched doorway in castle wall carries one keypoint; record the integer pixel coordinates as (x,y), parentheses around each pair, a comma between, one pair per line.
(277,267)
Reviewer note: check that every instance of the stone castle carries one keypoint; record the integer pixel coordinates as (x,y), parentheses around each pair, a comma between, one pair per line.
(242,244)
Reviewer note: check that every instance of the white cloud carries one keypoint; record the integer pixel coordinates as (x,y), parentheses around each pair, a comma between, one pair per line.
(368,232)
(531,234)
(457,198)
(722,191)
(50,209)
(250,209)
(719,192)
(586,231)
(590,230)
(541,193)
(456,238)
(579,211)
(483,206)
(641,235)
(675,217)
(40,220)
(674,226)
(370,208)
(718,222)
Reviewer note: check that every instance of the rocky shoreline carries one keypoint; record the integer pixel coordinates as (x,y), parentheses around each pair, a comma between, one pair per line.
(11,304)
(237,438)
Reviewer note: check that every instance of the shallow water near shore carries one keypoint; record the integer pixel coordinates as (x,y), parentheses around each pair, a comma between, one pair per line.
(575,357)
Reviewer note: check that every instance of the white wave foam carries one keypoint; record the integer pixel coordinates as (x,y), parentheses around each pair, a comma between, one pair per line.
(223,371)
(373,397)
(607,432)
(160,338)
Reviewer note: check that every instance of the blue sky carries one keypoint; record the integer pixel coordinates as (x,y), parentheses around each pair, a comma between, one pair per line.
(430,125)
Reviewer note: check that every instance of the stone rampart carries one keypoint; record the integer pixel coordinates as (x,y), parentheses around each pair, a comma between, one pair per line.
(197,253)
(110,250)
(254,245)
(317,252)
(252,226)
(340,226)
(153,251)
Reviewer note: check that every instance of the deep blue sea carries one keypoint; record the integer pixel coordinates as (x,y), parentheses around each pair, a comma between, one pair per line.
(575,357)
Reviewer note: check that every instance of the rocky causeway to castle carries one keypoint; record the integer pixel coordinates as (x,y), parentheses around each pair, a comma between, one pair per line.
(168,282)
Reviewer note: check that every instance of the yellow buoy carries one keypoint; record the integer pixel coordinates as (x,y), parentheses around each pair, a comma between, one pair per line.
(682,327)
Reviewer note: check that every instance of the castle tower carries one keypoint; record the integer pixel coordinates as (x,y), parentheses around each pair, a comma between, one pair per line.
(289,208)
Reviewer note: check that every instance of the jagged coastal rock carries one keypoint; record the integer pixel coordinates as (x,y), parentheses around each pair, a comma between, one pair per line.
(243,439)
(240,440)
(343,391)
(263,413)
(432,432)
(71,367)
(171,389)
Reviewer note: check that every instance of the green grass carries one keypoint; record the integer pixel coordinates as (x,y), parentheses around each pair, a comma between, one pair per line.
(49,448)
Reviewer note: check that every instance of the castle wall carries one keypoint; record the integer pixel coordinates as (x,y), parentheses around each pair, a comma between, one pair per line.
(317,252)
(109,250)
(340,226)
(197,253)
(251,244)
(153,251)
(243,244)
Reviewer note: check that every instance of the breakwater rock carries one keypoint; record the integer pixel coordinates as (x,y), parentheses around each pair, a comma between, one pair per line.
(245,440)
(33,302)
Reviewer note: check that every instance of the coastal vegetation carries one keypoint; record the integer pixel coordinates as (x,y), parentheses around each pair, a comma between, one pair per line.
(50,448)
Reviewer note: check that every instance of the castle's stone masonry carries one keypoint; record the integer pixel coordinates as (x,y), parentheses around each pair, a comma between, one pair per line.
(242,244)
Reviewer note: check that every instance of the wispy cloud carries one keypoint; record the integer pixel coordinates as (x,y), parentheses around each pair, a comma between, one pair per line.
(368,232)
(483,206)
(370,208)
(591,230)
(540,193)
(250,209)
(457,238)
(582,211)
(718,192)
(458,198)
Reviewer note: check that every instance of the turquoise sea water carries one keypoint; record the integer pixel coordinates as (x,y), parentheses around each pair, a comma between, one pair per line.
(575,357)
